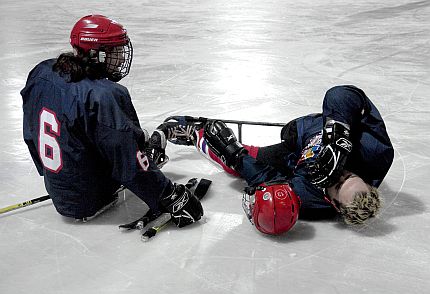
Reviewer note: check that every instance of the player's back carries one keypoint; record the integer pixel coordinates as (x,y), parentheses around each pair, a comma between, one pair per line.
(57,121)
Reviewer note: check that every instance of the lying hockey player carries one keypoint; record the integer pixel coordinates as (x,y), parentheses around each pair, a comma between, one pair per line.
(332,161)
(83,133)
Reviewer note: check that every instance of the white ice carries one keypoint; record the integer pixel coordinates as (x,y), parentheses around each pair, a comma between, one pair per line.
(251,60)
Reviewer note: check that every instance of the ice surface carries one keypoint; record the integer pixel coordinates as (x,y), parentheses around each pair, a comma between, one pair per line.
(251,60)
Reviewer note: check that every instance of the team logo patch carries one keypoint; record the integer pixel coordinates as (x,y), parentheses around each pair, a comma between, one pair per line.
(280,194)
(312,149)
(267,196)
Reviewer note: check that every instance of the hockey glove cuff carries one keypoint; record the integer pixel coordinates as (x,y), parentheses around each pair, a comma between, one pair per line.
(327,167)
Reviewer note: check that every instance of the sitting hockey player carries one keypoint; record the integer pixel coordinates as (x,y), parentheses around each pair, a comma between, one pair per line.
(83,133)
(332,161)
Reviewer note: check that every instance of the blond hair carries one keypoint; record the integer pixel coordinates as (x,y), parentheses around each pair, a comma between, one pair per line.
(364,206)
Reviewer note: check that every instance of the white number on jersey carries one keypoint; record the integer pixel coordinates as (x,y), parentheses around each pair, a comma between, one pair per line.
(143,160)
(49,149)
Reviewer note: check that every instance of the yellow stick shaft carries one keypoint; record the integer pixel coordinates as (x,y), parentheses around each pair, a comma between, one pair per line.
(24,204)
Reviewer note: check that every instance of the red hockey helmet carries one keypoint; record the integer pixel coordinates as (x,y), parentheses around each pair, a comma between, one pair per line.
(103,40)
(273,209)
(95,31)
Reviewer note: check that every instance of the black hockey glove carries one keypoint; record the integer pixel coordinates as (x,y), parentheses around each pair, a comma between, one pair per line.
(184,207)
(156,148)
(326,169)
(223,142)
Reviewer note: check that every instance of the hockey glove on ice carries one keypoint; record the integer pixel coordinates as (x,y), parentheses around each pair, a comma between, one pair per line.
(184,207)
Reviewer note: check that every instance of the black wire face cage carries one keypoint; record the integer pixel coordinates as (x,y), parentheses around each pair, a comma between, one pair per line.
(118,61)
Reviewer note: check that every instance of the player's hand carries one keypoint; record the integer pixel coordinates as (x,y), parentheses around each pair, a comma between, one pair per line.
(326,169)
(156,148)
(184,207)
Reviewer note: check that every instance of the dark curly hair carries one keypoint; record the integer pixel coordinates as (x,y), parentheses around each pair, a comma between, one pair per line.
(75,68)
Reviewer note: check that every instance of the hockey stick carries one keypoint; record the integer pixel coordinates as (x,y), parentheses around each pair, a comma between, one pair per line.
(46,197)
(24,204)
(36,200)
(166,218)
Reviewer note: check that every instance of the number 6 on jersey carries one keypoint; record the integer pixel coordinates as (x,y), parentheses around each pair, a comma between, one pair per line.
(49,149)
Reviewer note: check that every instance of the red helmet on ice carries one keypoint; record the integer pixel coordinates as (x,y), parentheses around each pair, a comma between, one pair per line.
(104,41)
(273,208)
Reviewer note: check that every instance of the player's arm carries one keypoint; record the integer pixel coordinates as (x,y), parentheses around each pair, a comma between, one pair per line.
(117,142)
(327,167)
(345,104)
(156,147)
(343,108)
(31,146)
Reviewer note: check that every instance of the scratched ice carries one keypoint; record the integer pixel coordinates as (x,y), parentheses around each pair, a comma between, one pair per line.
(251,60)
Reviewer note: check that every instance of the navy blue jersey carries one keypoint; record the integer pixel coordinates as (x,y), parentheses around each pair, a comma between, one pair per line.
(371,156)
(372,152)
(83,138)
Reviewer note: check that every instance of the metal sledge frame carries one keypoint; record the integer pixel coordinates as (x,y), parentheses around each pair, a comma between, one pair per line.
(239,123)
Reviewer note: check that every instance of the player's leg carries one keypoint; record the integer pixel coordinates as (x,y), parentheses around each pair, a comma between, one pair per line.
(275,156)
(247,166)
(203,147)
(106,202)
(223,142)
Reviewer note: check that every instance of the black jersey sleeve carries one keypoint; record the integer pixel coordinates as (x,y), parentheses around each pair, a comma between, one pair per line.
(28,139)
